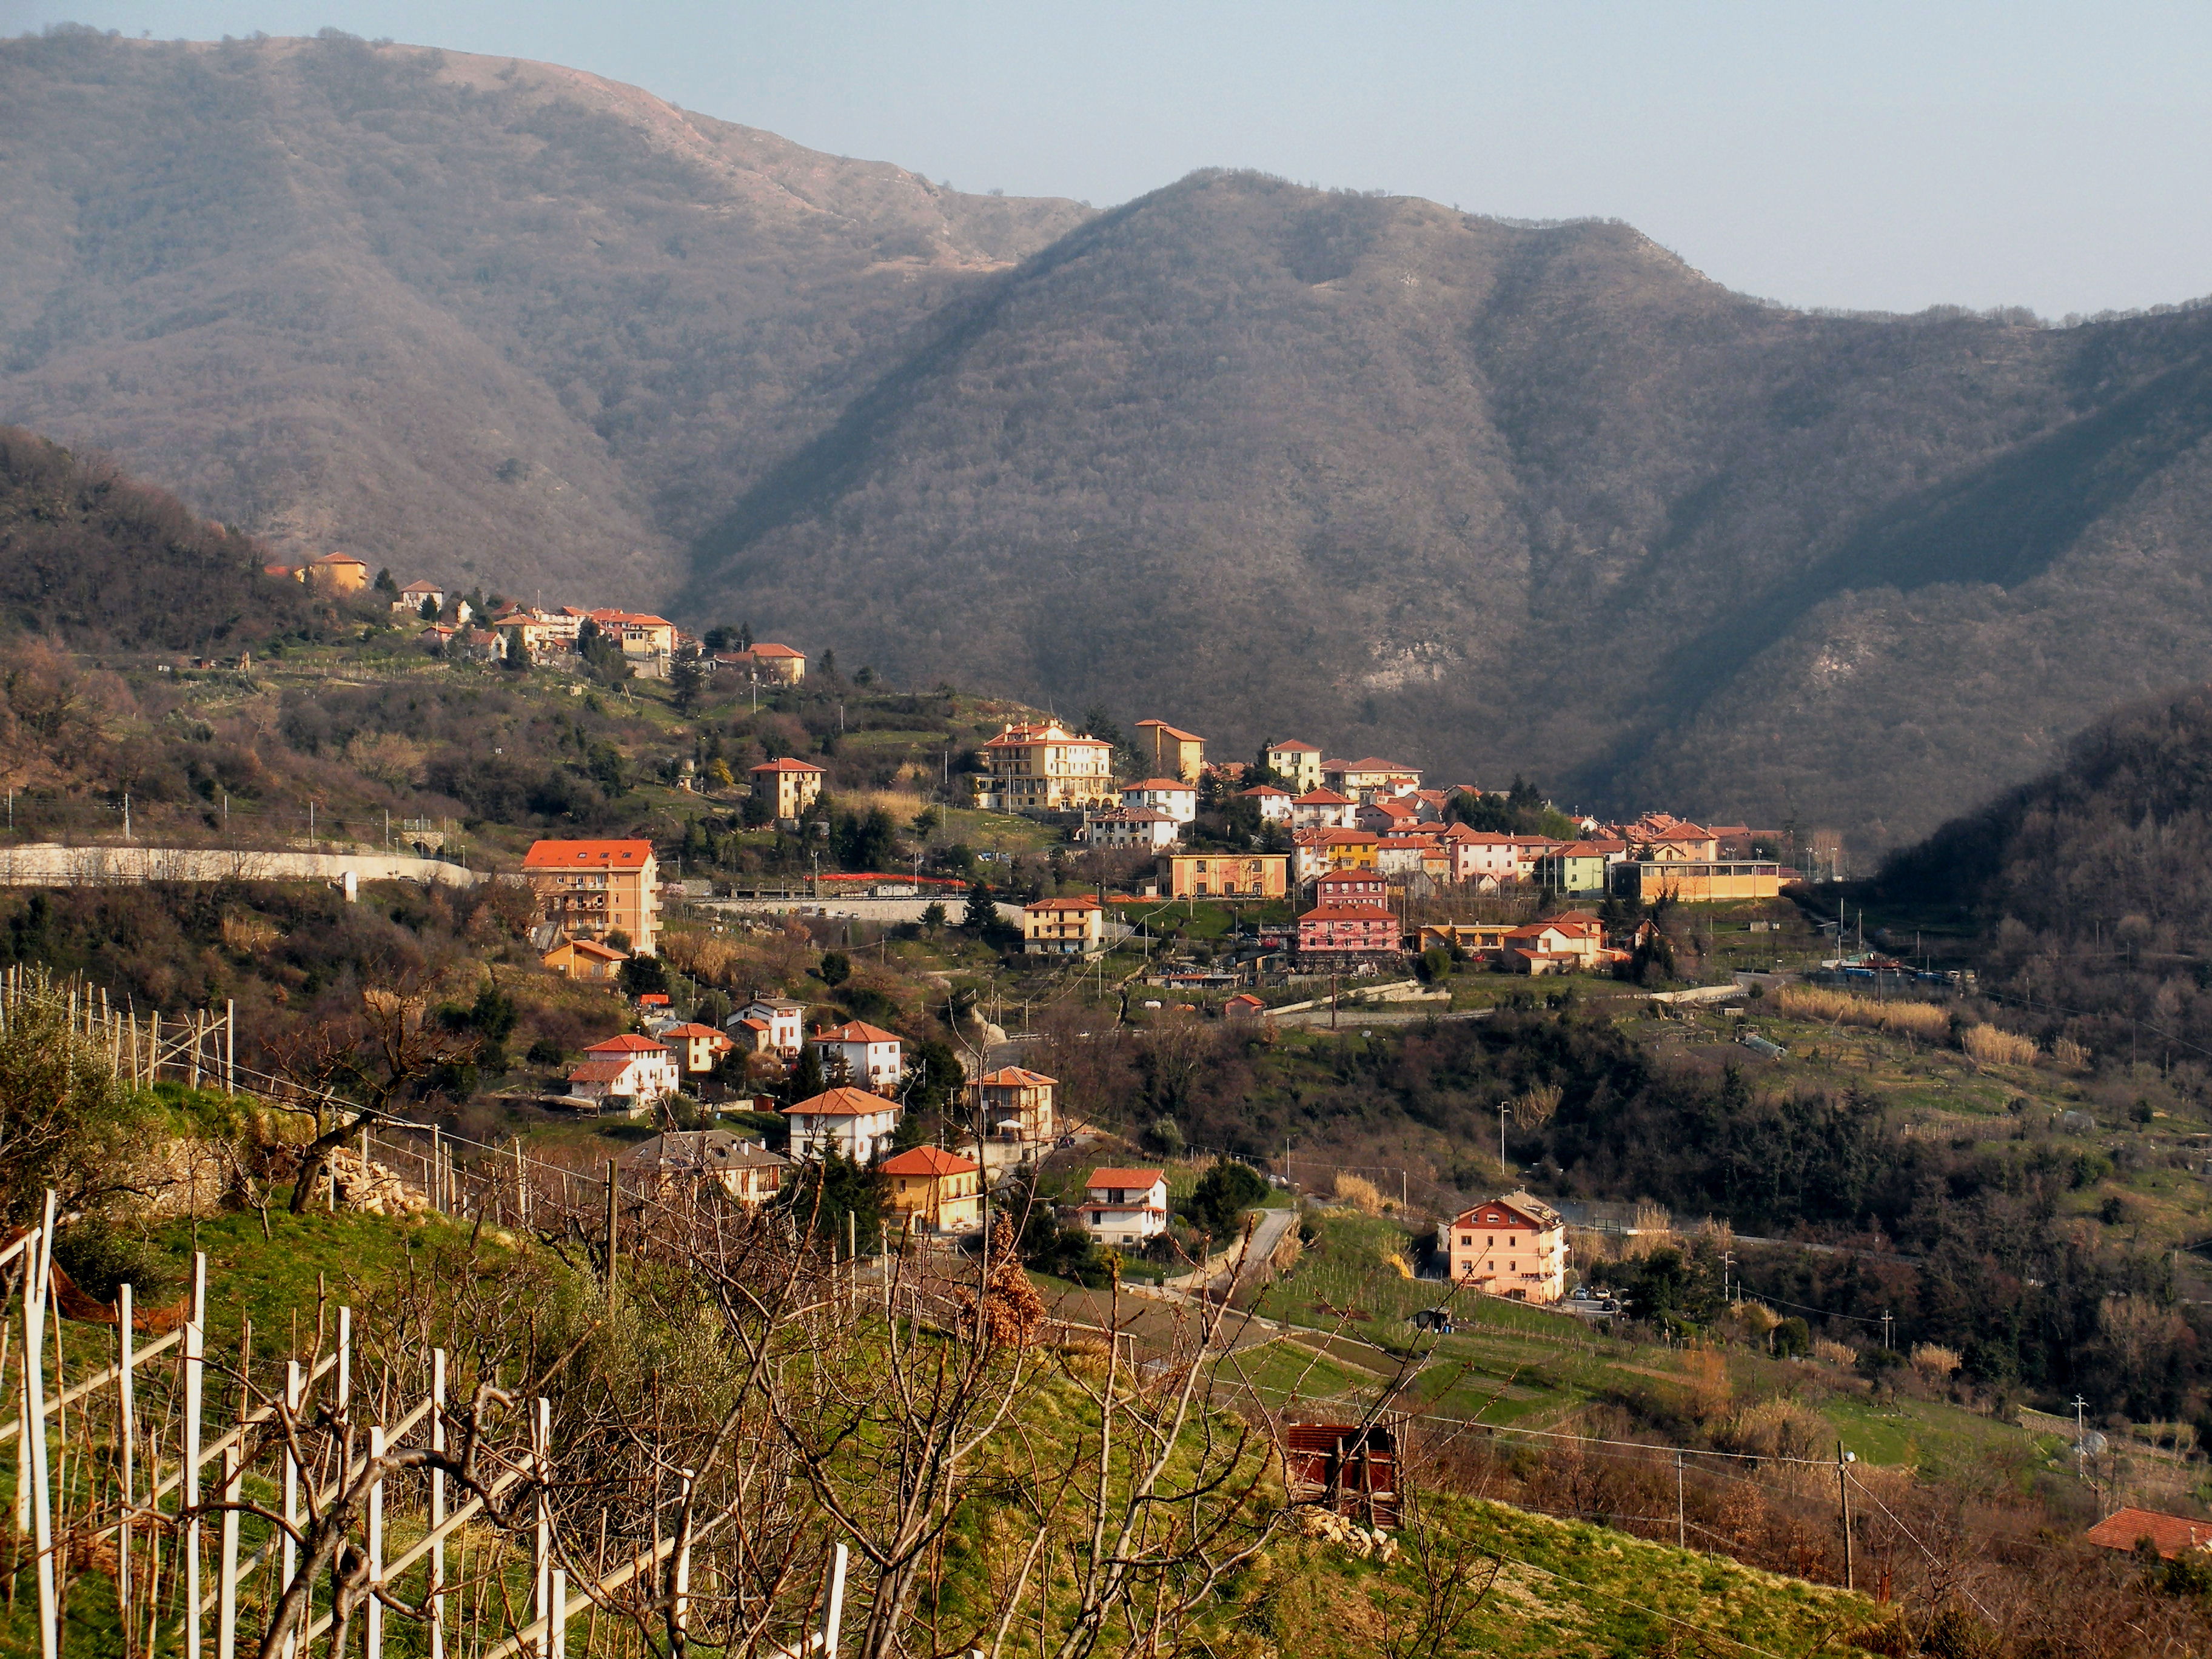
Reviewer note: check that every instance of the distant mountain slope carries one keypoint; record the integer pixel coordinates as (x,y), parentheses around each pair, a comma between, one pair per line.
(2089,889)
(89,556)
(474,319)
(1261,459)
(1397,479)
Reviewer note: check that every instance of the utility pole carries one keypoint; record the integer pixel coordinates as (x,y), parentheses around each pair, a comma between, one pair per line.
(1844,1497)
(1885,1327)
(612,1220)
(1501,1139)
(2080,1444)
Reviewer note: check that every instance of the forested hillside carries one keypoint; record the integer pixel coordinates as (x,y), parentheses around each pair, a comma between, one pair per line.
(1259,458)
(88,556)
(2089,890)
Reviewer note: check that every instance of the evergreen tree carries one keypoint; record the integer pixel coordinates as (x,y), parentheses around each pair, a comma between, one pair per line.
(805,1079)
(981,915)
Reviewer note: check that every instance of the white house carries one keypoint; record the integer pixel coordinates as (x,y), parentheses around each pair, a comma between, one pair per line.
(629,1070)
(1125,1206)
(1275,804)
(854,1121)
(1130,826)
(1322,808)
(780,1016)
(1172,796)
(871,1057)
(1515,1246)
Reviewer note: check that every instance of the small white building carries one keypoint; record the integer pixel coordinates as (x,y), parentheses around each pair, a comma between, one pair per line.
(857,1123)
(869,1056)
(1130,826)
(1515,1246)
(1275,804)
(630,1073)
(1125,1206)
(1172,796)
(1323,809)
(782,1017)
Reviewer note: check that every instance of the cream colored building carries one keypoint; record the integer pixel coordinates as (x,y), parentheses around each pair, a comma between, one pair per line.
(1176,753)
(933,1190)
(787,787)
(1045,767)
(1063,926)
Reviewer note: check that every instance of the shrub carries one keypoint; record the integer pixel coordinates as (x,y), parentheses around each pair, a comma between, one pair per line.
(1776,1428)
(1833,1352)
(1935,1363)
(2071,1055)
(1360,1193)
(1986,1045)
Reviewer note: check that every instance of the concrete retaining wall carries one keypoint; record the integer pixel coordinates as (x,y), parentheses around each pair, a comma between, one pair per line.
(48,864)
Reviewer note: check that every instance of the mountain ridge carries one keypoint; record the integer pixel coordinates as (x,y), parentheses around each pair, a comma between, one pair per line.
(1263,458)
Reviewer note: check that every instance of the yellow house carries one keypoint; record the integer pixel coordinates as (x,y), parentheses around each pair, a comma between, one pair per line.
(1695,881)
(1219,875)
(771,661)
(1023,1099)
(1043,766)
(336,573)
(936,1191)
(1176,754)
(1063,926)
(582,959)
(787,787)
(1298,765)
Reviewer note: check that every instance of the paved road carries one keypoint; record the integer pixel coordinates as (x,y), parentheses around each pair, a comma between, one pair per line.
(1214,1275)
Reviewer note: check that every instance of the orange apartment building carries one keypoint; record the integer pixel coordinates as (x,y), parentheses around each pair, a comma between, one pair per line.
(1225,875)
(786,786)
(594,888)
(1515,1246)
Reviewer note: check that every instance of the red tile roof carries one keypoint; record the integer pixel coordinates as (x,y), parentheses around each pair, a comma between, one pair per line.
(2171,1534)
(587,855)
(1081,902)
(1263,789)
(857,1031)
(1165,730)
(1322,798)
(691,1028)
(787,764)
(630,1043)
(1376,764)
(929,1161)
(769,649)
(1110,1177)
(598,1071)
(1290,748)
(840,1102)
(1159,783)
(1013,1077)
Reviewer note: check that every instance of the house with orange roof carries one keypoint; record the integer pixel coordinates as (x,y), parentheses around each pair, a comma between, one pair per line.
(932,1190)
(336,573)
(1386,816)
(767,660)
(1124,1205)
(639,633)
(1569,944)
(1072,926)
(786,788)
(782,1018)
(697,1046)
(1346,934)
(1244,1006)
(1297,764)
(866,1055)
(593,889)
(1402,855)
(629,1072)
(583,958)
(1018,1103)
(850,1120)
(1174,753)
(1312,852)
(2171,1535)
(1323,809)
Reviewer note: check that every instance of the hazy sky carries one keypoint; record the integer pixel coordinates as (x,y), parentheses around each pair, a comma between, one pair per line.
(1867,154)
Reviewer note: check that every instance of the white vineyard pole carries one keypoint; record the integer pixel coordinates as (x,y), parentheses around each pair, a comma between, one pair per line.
(373,1626)
(437,1506)
(38,1257)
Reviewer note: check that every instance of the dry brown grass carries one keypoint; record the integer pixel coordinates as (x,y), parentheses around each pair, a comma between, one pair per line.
(2071,1055)
(1935,1362)
(1923,1020)
(1986,1045)
(1363,1194)
(1835,1353)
